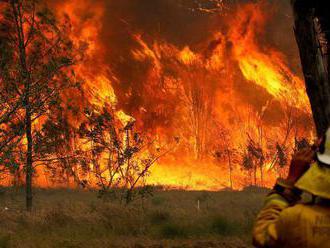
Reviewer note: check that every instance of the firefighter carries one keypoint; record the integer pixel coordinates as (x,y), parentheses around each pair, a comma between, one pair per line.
(285,220)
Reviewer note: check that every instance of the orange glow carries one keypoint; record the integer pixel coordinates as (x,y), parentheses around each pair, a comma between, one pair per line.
(267,70)
(212,98)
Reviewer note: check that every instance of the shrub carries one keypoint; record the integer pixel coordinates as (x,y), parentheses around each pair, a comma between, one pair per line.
(159,217)
(172,230)
(123,221)
(203,196)
(224,227)
(57,217)
(4,241)
(157,200)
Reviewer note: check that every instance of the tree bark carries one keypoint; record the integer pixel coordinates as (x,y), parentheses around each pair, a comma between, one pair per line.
(310,29)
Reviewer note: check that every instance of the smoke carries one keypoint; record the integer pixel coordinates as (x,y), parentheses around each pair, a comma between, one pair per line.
(113,26)
(192,70)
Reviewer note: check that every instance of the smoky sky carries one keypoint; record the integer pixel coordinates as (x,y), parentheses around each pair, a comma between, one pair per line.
(177,23)
(164,19)
(180,23)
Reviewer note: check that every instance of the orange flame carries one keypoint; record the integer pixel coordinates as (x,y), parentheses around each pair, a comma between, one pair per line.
(195,92)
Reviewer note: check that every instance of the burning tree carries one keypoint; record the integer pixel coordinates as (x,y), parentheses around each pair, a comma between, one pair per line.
(253,159)
(254,152)
(224,151)
(119,157)
(197,85)
(198,96)
(33,73)
(55,151)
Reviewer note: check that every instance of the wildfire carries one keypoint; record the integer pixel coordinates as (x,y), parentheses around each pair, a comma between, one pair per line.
(101,91)
(213,99)
(265,68)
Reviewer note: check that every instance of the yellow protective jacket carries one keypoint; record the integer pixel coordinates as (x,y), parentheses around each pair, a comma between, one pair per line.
(284,226)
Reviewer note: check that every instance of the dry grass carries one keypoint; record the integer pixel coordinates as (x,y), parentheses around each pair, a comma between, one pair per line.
(67,218)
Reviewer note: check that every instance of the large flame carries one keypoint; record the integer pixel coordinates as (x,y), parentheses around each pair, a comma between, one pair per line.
(214,96)
(265,68)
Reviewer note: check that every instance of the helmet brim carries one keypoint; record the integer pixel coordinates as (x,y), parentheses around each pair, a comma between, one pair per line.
(316,181)
(324,158)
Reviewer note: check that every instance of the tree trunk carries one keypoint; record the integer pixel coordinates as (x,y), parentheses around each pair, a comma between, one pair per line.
(310,32)
(29,161)
(230,169)
(255,168)
(261,174)
(25,75)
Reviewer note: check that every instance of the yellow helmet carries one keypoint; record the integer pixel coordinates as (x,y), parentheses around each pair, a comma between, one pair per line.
(316,181)
(317,178)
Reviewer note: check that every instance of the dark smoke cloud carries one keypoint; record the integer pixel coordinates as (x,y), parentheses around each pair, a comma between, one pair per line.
(176,22)
(164,20)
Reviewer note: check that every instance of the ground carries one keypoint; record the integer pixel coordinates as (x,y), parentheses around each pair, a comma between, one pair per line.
(71,218)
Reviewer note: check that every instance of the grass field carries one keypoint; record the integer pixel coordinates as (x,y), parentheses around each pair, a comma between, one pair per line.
(70,218)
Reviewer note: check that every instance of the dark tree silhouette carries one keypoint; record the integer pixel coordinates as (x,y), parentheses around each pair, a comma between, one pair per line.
(34,71)
(312,26)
